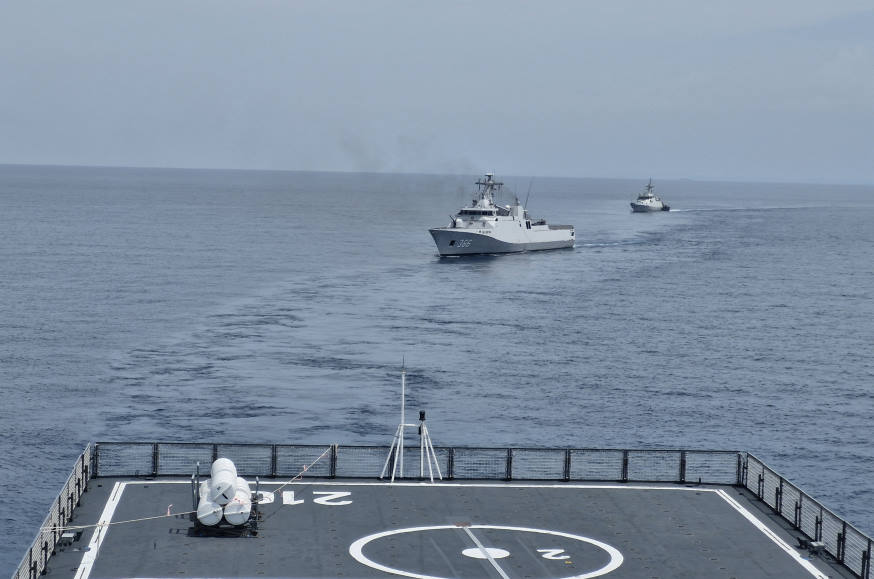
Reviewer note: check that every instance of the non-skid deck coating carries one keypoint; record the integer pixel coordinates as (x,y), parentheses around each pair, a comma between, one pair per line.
(355,529)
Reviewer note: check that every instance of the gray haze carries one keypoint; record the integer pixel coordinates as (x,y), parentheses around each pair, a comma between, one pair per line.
(742,90)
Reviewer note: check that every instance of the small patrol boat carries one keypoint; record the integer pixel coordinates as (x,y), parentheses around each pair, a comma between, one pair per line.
(648,201)
(486,227)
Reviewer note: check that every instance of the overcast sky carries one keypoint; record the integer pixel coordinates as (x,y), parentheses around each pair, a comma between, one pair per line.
(737,90)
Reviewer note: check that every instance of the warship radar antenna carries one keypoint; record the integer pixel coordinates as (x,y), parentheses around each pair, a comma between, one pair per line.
(487,188)
(426,447)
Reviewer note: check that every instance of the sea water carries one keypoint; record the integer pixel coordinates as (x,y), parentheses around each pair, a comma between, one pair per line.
(233,306)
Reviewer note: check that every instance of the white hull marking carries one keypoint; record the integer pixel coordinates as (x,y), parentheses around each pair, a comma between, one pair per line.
(331,496)
(288,499)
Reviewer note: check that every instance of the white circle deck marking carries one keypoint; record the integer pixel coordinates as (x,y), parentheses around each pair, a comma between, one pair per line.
(356,549)
(477,553)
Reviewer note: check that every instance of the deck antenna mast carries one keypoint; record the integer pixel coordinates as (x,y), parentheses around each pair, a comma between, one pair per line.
(487,189)
(426,447)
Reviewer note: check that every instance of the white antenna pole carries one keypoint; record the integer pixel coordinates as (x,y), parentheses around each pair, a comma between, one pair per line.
(433,457)
(403,417)
(426,442)
(426,447)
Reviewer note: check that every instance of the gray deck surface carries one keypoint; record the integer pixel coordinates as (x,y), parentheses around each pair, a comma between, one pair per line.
(442,530)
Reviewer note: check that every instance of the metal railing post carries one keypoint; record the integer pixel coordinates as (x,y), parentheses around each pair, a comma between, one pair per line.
(624,466)
(451,467)
(155,459)
(55,525)
(273,461)
(742,469)
(84,470)
(762,484)
(509,464)
(866,573)
(842,543)
(567,464)
(682,466)
(334,452)
(195,487)
(778,497)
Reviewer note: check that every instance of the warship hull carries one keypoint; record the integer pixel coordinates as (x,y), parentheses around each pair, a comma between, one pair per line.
(458,241)
(648,208)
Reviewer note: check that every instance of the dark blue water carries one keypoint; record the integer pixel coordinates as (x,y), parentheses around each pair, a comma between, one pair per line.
(276,307)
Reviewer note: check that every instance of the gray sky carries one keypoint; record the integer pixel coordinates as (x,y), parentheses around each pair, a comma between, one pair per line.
(740,90)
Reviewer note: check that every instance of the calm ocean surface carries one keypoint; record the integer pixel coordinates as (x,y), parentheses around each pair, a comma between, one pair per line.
(175,305)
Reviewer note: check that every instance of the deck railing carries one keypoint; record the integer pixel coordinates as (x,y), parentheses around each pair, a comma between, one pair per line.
(564,464)
(844,542)
(36,559)
(841,540)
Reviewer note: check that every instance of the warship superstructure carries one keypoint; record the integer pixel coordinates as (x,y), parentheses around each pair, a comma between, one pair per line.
(486,227)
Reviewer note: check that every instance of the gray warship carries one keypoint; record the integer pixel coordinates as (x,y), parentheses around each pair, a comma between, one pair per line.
(647,201)
(486,227)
